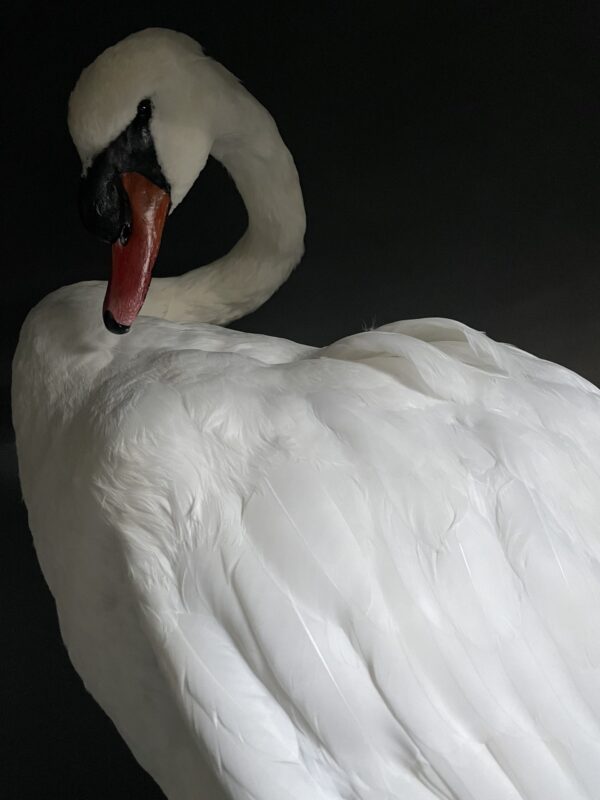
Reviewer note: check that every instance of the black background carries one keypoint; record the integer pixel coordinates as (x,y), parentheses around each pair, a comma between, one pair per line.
(449,156)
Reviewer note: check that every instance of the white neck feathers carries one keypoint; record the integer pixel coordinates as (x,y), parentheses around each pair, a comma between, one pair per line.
(248,144)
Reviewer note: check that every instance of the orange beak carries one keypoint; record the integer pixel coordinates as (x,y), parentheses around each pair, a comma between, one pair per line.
(133,261)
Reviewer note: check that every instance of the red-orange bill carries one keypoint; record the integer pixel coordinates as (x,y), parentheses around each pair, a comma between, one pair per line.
(132,262)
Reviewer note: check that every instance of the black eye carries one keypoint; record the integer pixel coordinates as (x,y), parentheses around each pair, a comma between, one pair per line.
(144,109)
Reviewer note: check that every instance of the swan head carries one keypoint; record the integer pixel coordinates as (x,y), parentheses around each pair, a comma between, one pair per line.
(140,117)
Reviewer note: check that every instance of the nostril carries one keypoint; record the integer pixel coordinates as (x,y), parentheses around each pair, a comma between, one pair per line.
(125,233)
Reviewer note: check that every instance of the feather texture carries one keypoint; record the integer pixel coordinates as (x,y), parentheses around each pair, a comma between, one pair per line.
(369,571)
(363,571)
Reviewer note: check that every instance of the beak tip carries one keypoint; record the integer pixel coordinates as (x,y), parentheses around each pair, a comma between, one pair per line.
(111,323)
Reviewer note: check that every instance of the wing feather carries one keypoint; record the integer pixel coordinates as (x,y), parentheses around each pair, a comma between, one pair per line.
(373,572)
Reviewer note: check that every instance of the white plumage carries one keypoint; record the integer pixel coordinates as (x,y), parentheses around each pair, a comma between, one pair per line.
(365,571)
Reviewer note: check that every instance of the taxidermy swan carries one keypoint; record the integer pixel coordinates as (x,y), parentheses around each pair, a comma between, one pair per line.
(365,571)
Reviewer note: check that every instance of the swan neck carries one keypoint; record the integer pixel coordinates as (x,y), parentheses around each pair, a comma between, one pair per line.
(250,147)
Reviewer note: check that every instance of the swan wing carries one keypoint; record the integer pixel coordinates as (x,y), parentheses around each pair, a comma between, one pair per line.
(372,572)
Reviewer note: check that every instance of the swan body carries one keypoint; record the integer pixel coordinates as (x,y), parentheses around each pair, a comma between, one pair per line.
(369,570)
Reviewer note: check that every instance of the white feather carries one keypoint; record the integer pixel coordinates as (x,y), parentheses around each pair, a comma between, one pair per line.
(364,571)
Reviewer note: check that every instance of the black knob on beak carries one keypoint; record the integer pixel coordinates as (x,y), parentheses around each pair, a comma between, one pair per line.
(103,203)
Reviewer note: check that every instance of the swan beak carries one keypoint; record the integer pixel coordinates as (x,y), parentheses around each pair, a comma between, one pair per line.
(134,253)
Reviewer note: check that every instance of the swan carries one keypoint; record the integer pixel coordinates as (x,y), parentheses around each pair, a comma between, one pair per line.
(369,570)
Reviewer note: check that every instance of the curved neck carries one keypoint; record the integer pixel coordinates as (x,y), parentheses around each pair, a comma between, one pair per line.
(248,144)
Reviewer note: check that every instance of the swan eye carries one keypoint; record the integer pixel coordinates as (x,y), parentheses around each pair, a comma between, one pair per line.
(144,109)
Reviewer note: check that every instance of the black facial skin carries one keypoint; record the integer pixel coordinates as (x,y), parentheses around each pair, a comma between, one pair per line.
(103,203)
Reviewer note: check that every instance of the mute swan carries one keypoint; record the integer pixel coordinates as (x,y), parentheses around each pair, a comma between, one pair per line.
(364,571)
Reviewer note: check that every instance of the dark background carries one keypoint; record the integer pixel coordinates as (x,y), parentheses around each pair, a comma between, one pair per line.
(449,155)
